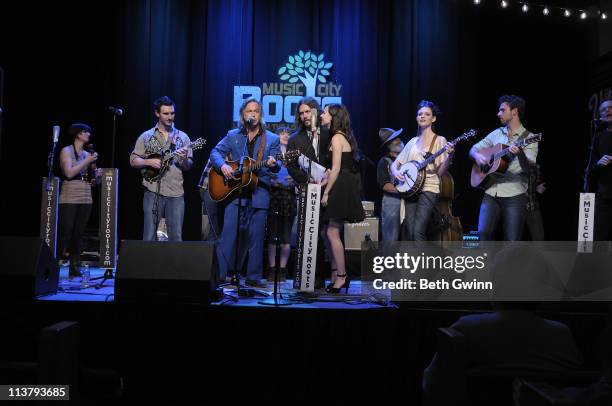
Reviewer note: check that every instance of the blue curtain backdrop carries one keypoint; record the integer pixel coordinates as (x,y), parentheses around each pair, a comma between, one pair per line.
(69,61)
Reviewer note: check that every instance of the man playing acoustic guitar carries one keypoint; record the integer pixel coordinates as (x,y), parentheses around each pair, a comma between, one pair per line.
(250,139)
(505,198)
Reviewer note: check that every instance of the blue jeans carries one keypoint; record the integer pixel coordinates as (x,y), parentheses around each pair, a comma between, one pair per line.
(170,208)
(390,217)
(252,233)
(418,213)
(512,211)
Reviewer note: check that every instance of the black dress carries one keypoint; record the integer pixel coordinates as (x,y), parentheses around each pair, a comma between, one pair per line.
(344,201)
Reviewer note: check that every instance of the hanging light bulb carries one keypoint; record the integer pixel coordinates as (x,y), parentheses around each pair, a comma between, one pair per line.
(525,8)
(583,15)
(504,4)
(567,13)
(546,11)
(476,2)
(604,16)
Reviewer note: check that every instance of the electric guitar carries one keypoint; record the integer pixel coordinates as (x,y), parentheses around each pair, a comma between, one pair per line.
(244,176)
(414,171)
(151,174)
(484,175)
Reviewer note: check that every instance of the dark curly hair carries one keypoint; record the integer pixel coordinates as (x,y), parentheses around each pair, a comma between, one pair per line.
(515,102)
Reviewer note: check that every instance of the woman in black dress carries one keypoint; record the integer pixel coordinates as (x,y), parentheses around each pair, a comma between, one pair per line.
(341,199)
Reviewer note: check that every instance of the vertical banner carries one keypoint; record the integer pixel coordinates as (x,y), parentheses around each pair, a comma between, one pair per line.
(48,213)
(108,218)
(586,216)
(309,207)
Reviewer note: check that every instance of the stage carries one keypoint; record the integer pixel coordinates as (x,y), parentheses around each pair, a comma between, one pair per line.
(239,349)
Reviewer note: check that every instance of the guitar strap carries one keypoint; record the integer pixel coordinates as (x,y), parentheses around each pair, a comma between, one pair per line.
(262,145)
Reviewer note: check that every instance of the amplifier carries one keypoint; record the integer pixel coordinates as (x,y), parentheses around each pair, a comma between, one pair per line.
(356,233)
(368,207)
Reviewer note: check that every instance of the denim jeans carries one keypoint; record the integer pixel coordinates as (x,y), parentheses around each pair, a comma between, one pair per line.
(390,217)
(250,239)
(418,213)
(512,211)
(170,208)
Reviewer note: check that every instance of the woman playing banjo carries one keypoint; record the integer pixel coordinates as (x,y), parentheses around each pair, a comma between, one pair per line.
(422,199)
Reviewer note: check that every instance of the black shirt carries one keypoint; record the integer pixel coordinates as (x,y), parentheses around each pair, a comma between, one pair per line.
(601,176)
(383,174)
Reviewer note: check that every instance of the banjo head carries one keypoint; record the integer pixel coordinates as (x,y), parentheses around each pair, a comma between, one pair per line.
(410,171)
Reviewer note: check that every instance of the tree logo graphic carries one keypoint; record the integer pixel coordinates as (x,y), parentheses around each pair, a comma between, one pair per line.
(308,68)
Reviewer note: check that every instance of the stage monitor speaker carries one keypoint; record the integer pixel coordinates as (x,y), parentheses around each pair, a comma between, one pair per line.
(164,271)
(27,269)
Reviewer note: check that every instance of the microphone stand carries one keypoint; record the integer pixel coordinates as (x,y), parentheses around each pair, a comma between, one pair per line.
(51,159)
(593,131)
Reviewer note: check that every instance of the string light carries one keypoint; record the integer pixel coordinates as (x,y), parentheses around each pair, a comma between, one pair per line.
(546,10)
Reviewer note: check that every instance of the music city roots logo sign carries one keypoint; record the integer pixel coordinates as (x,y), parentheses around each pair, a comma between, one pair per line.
(304,74)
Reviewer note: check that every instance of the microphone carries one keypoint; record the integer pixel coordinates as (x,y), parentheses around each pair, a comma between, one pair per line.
(250,120)
(56,132)
(115,110)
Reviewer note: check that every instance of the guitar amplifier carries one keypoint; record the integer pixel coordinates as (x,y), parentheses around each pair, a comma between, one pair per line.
(356,233)
(368,207)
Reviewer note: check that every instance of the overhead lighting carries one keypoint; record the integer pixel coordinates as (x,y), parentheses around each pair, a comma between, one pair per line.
(583,15)
(504,4)
(546,11)
(567,13)
(525,8)
(476,1)
(604,16)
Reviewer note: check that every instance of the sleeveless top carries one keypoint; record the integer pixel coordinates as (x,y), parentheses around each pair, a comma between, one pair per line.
(76,190)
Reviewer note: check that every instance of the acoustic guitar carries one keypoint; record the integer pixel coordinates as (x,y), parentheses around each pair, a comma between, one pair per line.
(244,177)
(153,174)
(484,175)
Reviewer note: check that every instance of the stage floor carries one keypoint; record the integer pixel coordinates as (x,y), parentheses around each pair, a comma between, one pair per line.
(71,290)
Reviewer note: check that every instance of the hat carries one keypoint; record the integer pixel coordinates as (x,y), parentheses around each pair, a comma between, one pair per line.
(388,134)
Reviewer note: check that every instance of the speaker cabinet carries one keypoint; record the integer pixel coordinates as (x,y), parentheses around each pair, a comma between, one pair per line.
(163,271)
(28,269)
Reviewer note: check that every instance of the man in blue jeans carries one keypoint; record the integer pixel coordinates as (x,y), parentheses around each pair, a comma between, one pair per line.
(250,139)
(391,201)
(164,198)
(506,199)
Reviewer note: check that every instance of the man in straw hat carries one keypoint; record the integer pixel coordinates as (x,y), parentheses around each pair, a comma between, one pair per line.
(391,201)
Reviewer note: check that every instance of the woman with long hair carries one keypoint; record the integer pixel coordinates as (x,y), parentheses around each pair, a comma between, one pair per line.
(342,197)
(419,207)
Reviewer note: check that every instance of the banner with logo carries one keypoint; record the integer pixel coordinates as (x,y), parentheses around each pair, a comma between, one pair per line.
(586,217)
(108,218)
(48,213)
(303,74)
(309,207)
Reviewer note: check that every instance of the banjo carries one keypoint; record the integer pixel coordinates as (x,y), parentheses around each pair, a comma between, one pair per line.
(414,172)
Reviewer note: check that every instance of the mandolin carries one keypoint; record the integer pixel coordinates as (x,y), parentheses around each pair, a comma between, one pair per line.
(151,174)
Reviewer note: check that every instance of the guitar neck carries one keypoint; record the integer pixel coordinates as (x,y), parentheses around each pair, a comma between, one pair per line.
(260,164)
(431,158)
(506,151)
